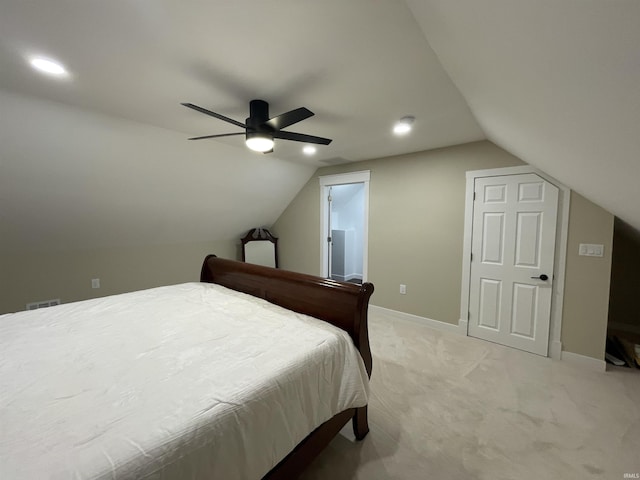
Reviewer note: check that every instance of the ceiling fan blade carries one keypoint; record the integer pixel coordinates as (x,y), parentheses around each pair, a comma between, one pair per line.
(301,137)
(289,118)
(216,136)
(214,114)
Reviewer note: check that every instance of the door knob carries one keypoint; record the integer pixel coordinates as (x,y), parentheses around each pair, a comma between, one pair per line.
(542,277)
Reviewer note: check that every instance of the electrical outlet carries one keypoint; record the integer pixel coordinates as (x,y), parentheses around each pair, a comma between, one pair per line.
(95,283)
(403,289)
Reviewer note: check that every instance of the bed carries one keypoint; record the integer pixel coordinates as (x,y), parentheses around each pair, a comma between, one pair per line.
(153,385)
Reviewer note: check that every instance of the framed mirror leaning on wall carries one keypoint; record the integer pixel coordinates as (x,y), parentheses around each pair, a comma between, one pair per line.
(260,247)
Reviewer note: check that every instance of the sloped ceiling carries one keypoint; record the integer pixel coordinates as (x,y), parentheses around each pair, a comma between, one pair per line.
(102,159)
(554,82)
(74,179)
(359,65)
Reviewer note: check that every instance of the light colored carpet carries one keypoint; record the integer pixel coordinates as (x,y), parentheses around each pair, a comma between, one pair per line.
(445,406)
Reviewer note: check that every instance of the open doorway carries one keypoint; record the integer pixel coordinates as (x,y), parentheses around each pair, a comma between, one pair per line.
(344,204)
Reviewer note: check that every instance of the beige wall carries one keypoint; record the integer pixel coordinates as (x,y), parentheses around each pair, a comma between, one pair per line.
(624,299)
(415,237)
(586,294)
(67,275)
(416,228)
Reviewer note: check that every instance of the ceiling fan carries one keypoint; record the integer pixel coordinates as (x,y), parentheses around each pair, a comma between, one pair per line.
(260,130)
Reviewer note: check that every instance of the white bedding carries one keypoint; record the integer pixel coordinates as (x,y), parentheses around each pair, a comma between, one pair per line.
(183,382)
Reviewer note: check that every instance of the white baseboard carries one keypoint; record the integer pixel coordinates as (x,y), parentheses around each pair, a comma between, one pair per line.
(583,361)
(555,349)
(427,322)
(463,325)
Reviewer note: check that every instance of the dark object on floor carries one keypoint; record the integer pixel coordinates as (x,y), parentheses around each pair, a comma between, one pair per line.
(622,349)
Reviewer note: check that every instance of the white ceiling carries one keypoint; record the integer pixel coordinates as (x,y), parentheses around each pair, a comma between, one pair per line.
(358,65)
(554,82)
(102,158)
(73,179)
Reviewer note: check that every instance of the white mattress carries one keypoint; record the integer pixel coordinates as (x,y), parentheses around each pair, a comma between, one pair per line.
(184,382)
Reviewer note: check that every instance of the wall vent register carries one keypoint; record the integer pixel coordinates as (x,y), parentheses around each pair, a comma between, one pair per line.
(43,304)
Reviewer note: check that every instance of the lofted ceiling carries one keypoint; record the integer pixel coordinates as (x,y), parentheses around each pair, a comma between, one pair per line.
(358,65)
(554,82)
(102,158)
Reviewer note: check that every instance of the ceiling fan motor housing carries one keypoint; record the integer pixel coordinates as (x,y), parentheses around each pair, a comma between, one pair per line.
(258,116)
(257,126)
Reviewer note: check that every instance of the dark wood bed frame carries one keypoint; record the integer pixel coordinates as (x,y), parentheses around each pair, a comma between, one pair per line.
(341,304)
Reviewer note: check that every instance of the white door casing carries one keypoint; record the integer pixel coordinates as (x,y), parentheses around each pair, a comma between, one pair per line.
(328,242)
(326,182)
(513,245)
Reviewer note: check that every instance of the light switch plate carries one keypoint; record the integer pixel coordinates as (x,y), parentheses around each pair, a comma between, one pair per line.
(591,250)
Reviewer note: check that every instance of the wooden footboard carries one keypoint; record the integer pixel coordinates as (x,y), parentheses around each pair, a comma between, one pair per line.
(341,304)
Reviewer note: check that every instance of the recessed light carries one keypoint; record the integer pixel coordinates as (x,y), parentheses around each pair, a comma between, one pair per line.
(404,125)
(309,149)
(48,66)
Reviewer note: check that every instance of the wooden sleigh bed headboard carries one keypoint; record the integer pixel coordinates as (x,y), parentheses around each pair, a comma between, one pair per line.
(341,304)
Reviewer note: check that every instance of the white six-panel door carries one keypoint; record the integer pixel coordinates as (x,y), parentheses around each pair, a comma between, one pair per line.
(513,243)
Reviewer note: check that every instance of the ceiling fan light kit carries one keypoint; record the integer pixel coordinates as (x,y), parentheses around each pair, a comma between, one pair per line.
(260,130)
(259,142)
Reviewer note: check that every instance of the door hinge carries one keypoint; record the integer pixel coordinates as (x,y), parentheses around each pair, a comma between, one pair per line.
(472,257)
(329,198)
(474,196)
(328,239)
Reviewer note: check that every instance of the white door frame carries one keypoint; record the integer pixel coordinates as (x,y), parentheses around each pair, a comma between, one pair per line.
(562,231)
(343,179)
